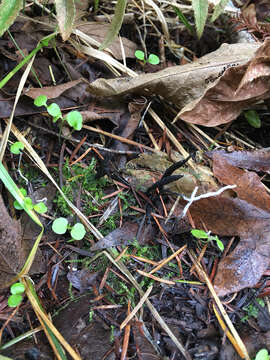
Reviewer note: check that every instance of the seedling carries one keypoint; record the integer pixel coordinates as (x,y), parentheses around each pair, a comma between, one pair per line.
(253,118)
(16,148)
(262,355)
(74,118)
(16,290)
(152,58)
(60,226)
(40,207)
(201,234)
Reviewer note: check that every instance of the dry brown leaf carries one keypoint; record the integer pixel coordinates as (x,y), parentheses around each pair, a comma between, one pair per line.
(52,91)
(120,236)
(238,88)
(98,31)
(258,160)
(246,216)
(183,85)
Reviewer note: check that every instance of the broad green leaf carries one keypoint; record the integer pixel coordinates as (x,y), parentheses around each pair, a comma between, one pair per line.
(153,59)
(65,14)
(54,110)
(116,24)
(17,288)
(9,10)
(28,203)
(16,147)
(14,300)
(253,118)
(59,225)
(219,9)
(78,231)
(41,100)
(17,206)
(199,234)
(139,54)
(262,355)
(75,120)
(200,8)
(40,208)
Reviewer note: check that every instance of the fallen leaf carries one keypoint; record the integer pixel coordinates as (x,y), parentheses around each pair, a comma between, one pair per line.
(120,236)
(258,160)
(239,87)
(247,216)
(51,91)
(82,279)
(183,85)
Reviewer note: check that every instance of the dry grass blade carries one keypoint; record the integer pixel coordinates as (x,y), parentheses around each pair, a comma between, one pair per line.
(230,325)
(161,18)
(120,138)
(164,281)
(168,259)
(137,307)
(47,324)
(65,14)
(227,332)
(126,338)
(97,54)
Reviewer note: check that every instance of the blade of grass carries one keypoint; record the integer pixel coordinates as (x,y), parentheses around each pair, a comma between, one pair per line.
(183,19)
(65,14)
(200,8)
(19,338)
(9,10)
(42,43)
(116,24)
(219,8)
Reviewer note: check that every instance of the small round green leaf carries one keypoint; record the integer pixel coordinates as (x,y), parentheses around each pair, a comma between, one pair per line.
(78,231)
(23,191)
(40,208)
(17,288)
(54,110)
(59,225)
(16,147)
(14,300)
(153,59)
(75,120)
(41,100)
(199,234)
(139,54)
(17,205)
(28,203)
(253,118)
(262,355)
